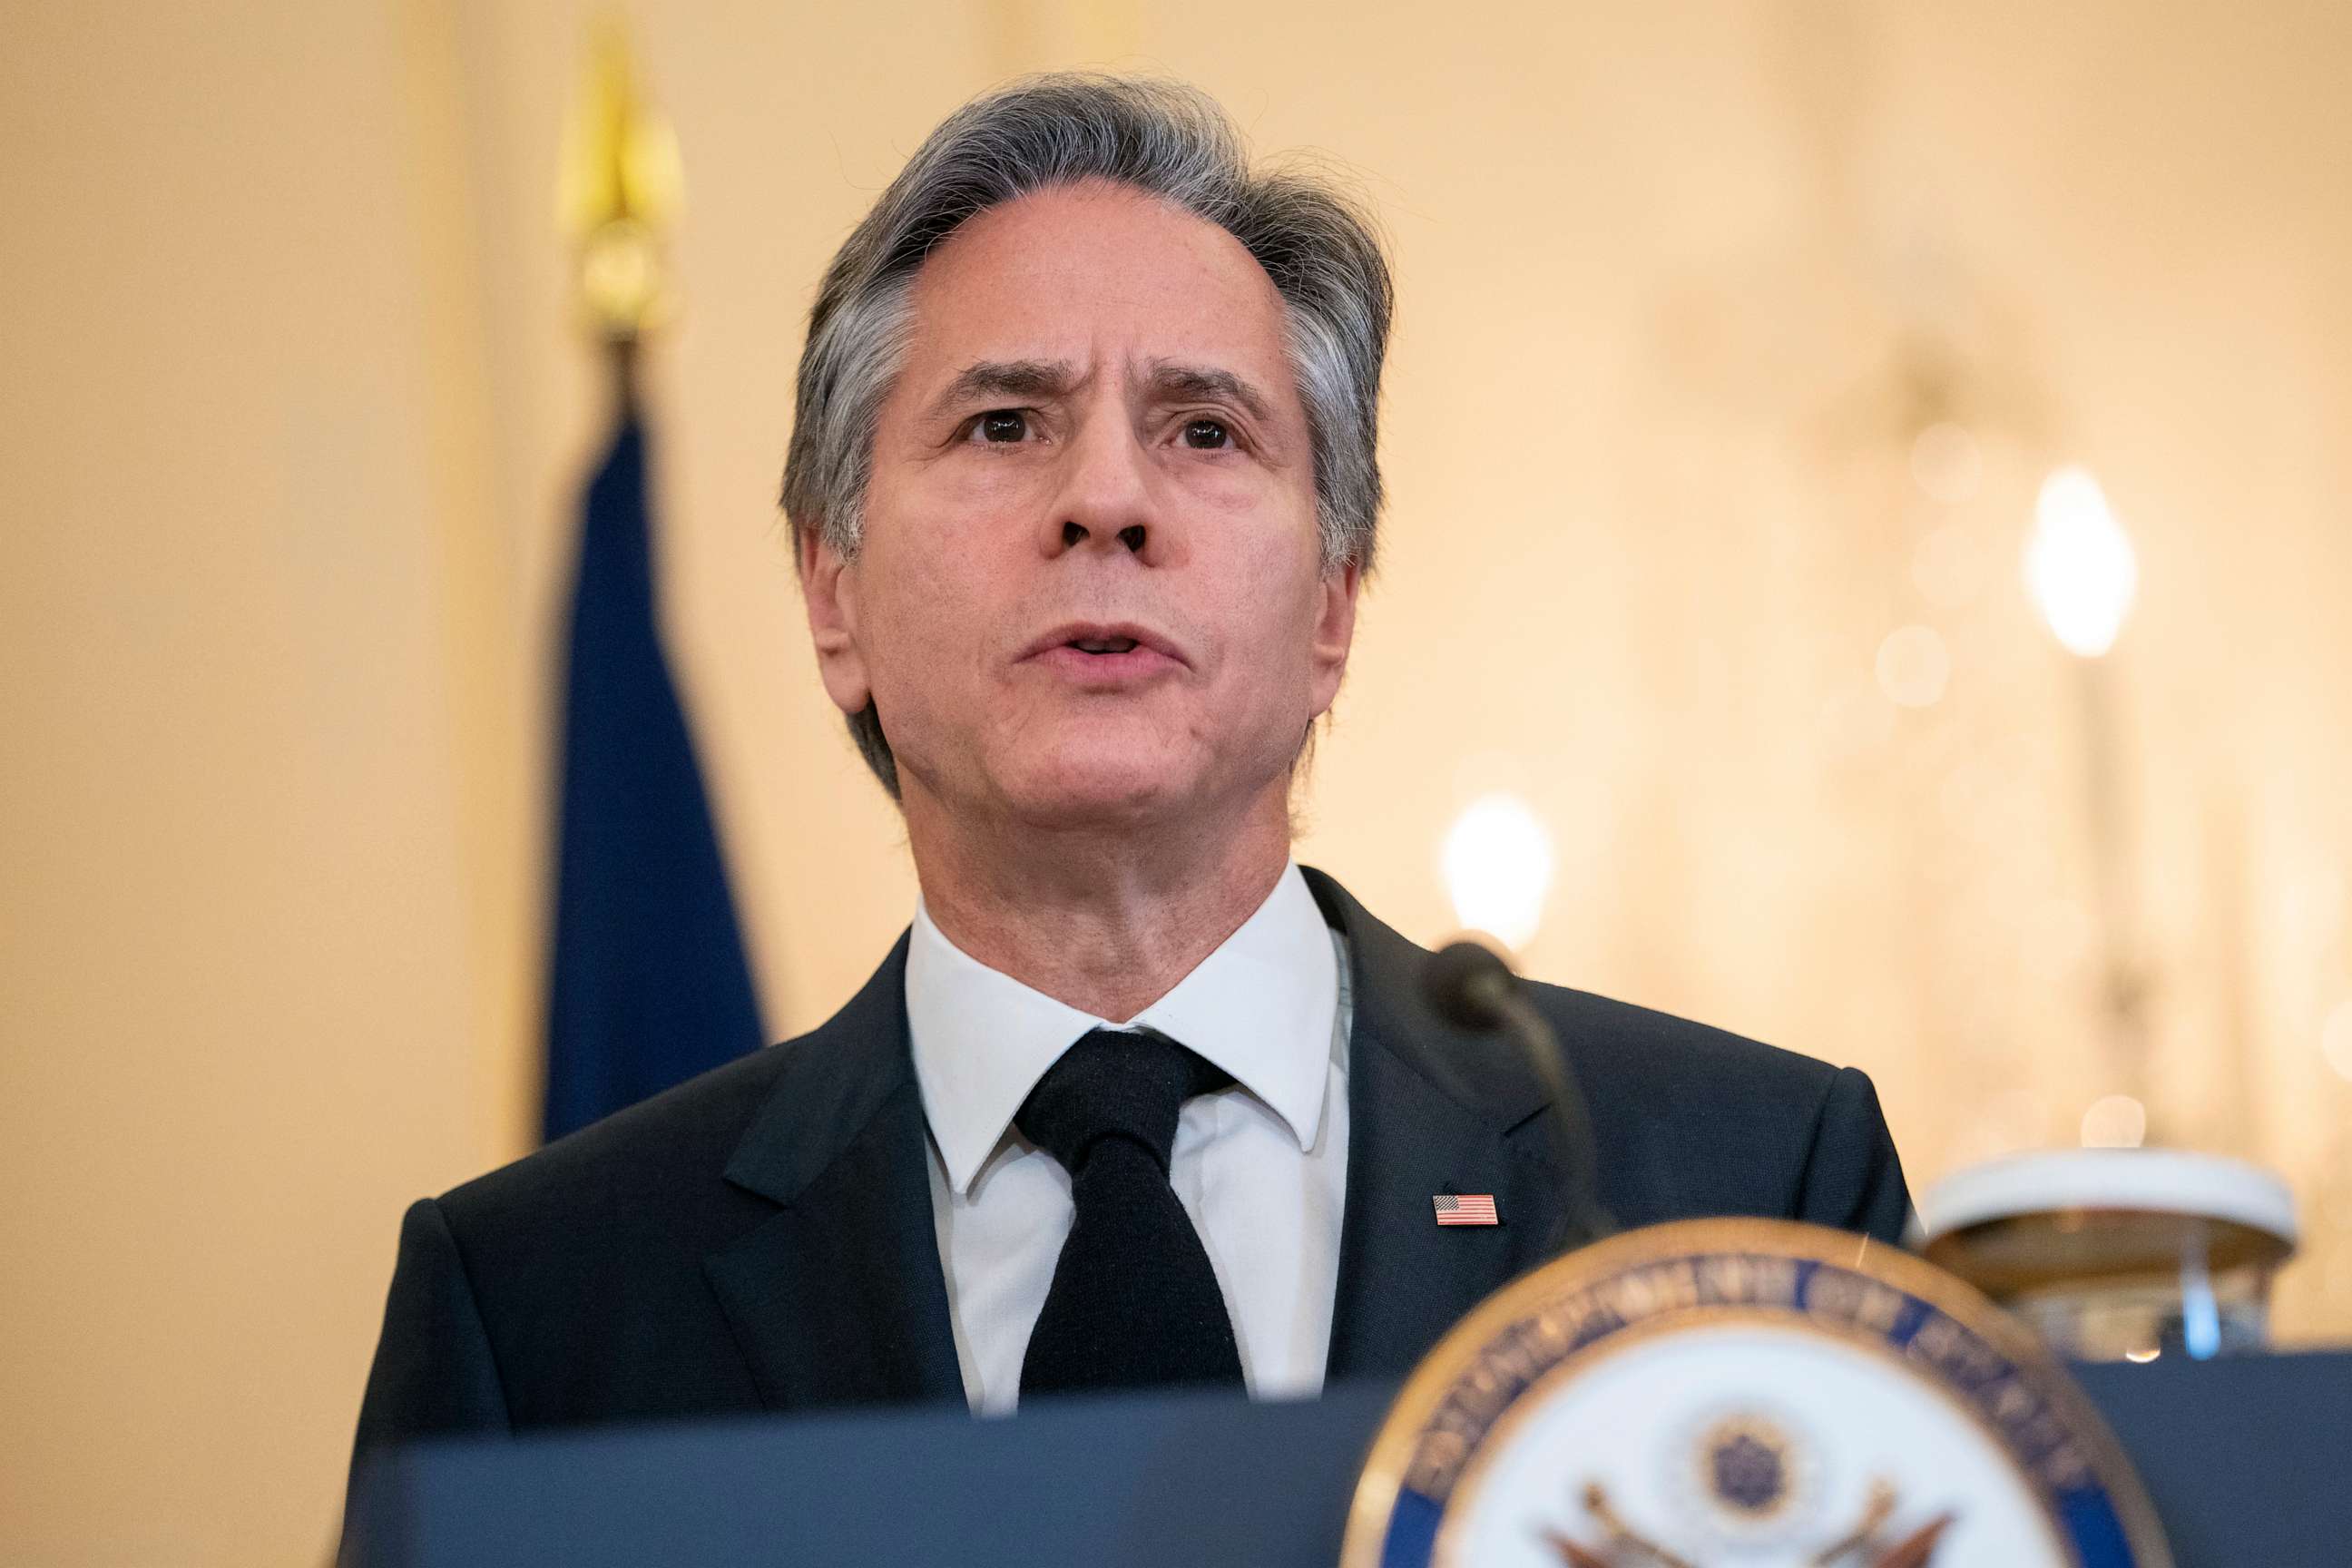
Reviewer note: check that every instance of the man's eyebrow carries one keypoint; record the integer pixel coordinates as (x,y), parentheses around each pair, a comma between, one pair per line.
(1020,378)
(1208,383)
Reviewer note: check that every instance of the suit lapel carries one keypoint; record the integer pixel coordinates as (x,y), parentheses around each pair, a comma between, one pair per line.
(839,1297)
(1431,1109)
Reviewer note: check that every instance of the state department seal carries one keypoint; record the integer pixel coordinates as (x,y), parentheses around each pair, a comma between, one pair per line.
(1754,1391)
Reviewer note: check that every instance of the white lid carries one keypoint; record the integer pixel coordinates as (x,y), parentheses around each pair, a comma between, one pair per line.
(2150,1180)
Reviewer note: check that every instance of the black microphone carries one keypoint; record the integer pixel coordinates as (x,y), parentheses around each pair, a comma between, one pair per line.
(1470,986)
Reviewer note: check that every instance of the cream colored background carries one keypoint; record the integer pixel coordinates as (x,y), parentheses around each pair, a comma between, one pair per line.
(294,407)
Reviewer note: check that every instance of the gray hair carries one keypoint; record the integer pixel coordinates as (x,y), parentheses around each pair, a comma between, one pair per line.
(1166,140)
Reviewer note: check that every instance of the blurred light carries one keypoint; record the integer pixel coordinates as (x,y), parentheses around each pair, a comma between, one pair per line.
(1498,862)
(2200,1314)
(1914,667)
(2335,1038)
(2079,564)
(1945,463)
(2115,1121)
(2144,1357)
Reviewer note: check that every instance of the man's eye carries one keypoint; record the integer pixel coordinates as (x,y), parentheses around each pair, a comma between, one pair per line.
(1004,425)
(1207,435)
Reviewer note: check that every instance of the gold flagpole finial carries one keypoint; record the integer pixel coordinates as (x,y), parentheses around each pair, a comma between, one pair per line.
(619,194)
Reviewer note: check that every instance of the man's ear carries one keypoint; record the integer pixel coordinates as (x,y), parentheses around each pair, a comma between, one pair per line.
(1335,631)
(829,592)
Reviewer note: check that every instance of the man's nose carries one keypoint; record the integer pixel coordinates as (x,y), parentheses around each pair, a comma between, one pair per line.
(1108,497)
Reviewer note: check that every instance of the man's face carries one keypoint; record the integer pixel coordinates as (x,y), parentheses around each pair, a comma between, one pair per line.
(1089,589)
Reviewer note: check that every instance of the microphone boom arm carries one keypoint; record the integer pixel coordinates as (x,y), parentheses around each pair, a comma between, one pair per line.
(1471,985)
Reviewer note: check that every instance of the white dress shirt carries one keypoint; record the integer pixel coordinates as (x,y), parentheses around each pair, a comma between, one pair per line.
(1260,1167)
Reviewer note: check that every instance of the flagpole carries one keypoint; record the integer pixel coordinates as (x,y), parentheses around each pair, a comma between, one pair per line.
(622,363)
(650,980)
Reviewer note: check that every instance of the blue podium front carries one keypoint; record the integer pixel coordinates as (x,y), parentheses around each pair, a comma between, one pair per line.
(2249,1461)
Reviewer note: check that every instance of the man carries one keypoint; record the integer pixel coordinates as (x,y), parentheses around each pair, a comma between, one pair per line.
(1082,491)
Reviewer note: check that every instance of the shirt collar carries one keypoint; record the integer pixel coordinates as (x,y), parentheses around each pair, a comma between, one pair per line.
(1262,1007)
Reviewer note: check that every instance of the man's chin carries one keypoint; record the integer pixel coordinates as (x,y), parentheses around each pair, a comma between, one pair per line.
(1092,790)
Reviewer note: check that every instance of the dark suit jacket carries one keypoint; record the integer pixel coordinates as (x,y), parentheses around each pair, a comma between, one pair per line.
(762,1237)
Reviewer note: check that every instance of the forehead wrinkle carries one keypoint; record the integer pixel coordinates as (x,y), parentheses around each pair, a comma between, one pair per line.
(1037,379)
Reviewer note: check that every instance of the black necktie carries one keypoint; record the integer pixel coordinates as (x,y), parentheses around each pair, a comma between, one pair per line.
(1134,1301)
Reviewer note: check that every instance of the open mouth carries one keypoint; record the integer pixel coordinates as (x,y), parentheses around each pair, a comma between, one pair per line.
(1105,654)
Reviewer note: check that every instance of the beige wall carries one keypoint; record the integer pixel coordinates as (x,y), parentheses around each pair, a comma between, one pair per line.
(295,407)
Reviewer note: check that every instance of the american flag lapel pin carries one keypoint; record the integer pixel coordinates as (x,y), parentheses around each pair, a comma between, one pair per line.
(1466,1208)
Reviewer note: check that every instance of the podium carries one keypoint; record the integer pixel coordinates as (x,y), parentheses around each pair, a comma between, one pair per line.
(2248,1462)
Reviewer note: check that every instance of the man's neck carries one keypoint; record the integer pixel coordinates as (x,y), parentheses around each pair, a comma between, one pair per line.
(1105,922)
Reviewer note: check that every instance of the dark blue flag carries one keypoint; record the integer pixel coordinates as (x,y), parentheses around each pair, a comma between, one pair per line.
(649,984)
